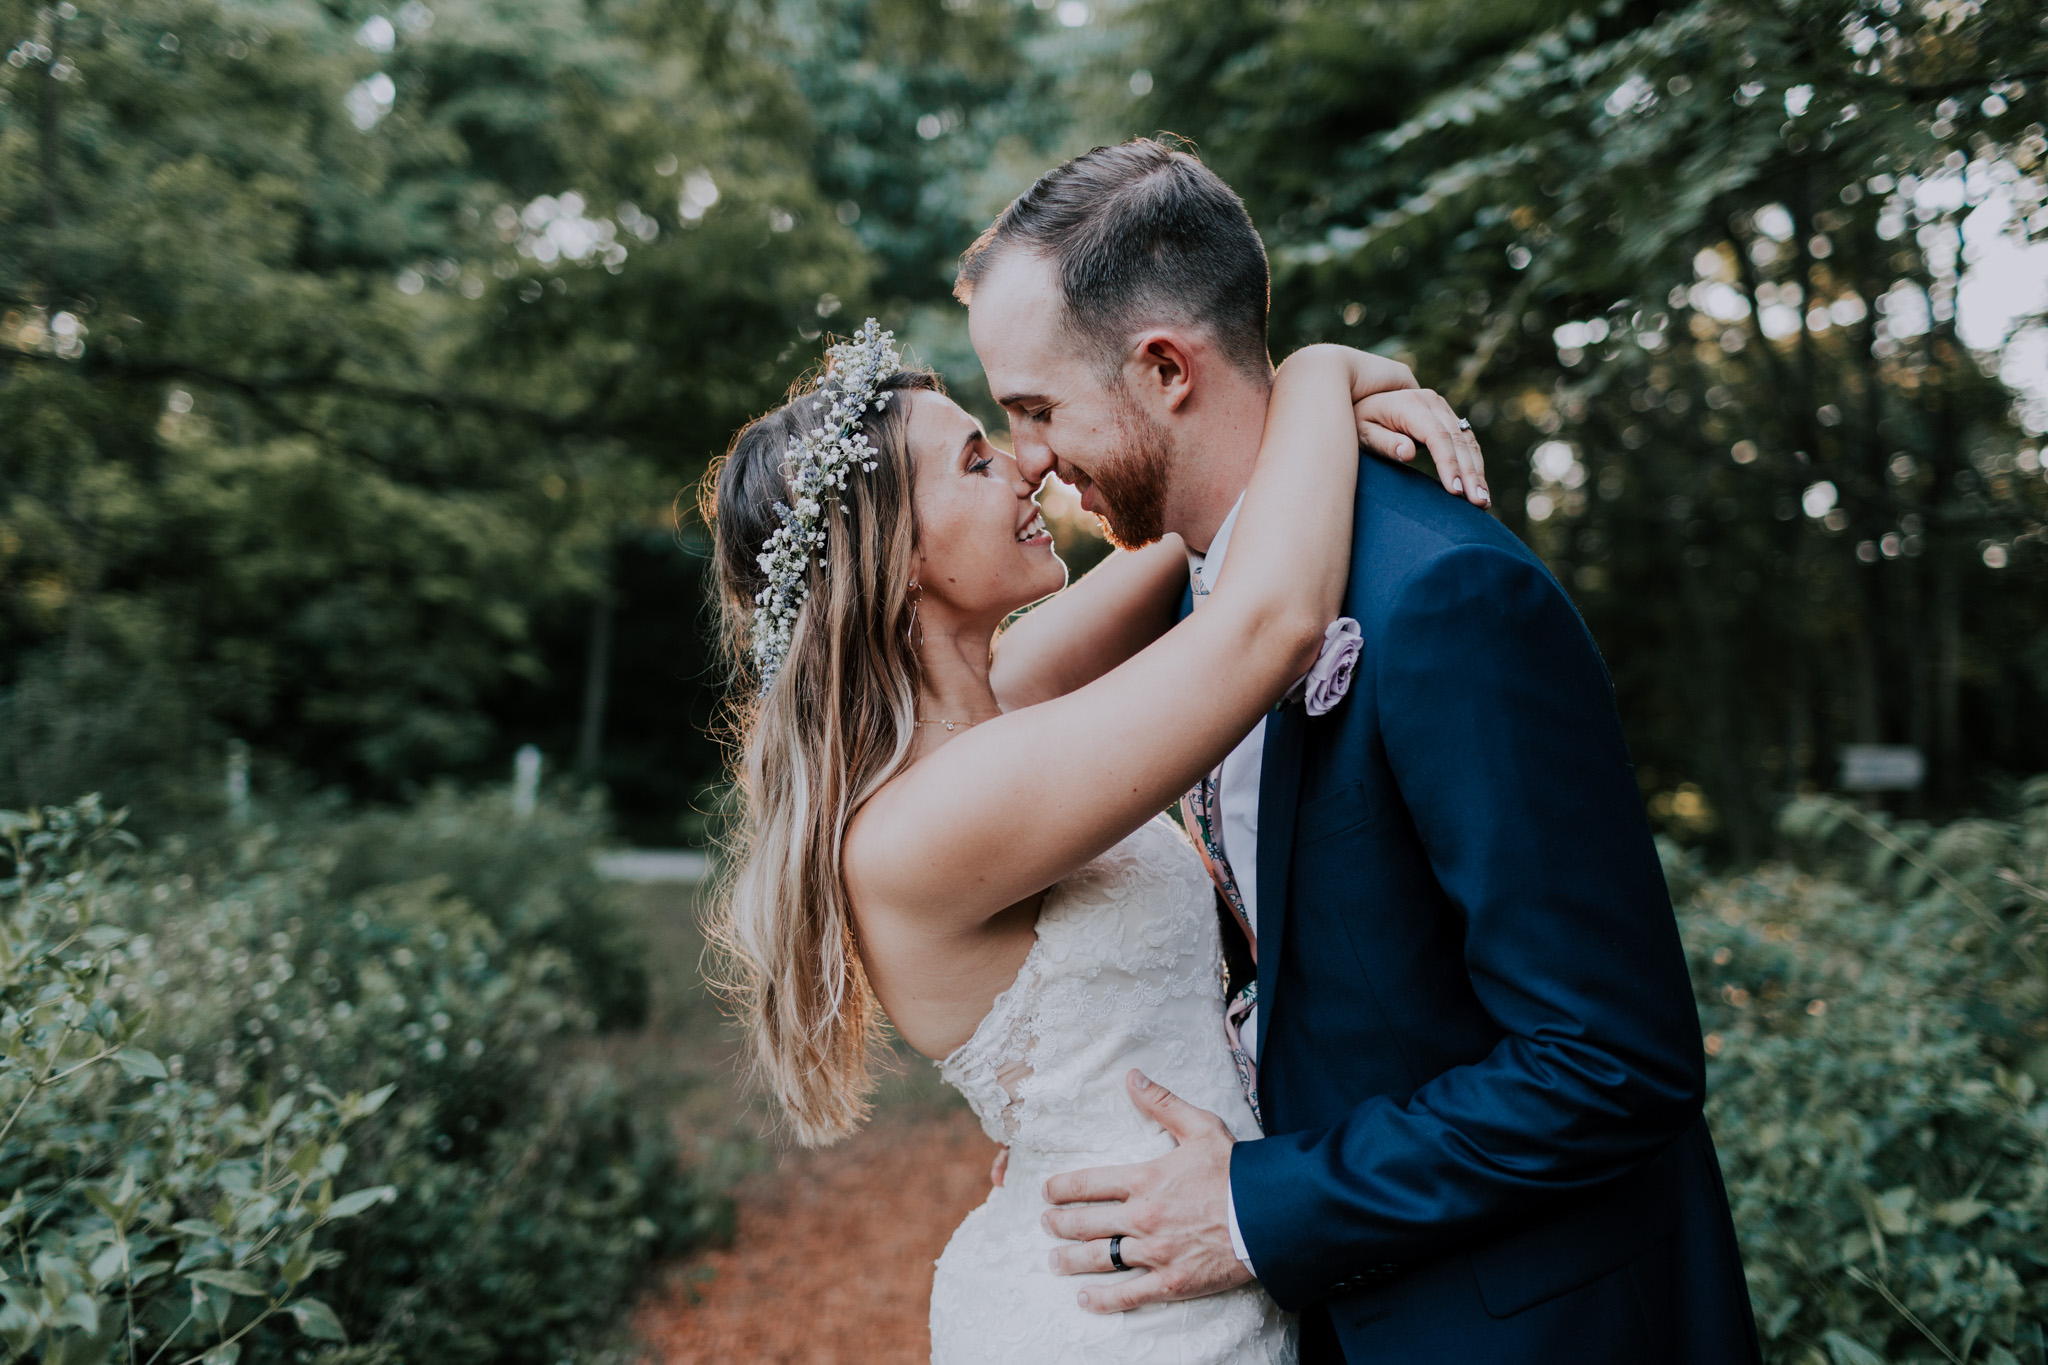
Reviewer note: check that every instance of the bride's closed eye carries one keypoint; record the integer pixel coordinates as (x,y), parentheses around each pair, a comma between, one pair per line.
(981,466)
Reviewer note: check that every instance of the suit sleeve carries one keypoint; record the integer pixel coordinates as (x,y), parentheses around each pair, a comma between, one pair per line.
(1499,727)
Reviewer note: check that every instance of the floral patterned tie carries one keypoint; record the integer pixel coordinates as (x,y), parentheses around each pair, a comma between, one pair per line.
(1201,811)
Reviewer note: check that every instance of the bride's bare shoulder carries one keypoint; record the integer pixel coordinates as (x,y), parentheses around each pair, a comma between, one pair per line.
(895,852)
(879,856)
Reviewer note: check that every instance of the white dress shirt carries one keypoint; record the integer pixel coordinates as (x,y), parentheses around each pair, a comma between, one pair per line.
(1237,789)
(1237,807)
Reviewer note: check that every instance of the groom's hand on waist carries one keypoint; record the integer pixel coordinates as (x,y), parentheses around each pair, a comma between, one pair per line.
(1172,1213)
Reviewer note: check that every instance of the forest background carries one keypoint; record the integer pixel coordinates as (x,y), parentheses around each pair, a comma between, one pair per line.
(357,365)
(354,361)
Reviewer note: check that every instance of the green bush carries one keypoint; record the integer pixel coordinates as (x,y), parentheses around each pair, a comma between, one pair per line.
(143,1212)
(1878,1042)
(532,876)
(343,953)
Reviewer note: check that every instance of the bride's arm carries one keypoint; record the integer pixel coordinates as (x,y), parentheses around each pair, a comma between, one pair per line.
(1133,597)
(1075,636)
(1014,805)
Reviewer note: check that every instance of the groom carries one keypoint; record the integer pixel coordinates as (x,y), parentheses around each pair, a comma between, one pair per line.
(1476,1049)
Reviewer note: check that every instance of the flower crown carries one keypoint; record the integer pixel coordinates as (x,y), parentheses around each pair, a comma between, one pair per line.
(816,465)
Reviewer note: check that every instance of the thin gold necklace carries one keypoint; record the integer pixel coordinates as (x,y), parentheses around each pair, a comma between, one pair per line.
(952,725)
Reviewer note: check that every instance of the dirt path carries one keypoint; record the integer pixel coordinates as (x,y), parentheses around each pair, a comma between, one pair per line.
(832,1260)
(832,1264)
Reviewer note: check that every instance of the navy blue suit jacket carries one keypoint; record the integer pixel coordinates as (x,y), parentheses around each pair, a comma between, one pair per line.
(1479,1060)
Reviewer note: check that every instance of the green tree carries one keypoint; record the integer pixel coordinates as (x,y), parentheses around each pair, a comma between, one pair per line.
(340,345)
(1693,269)
(912,102)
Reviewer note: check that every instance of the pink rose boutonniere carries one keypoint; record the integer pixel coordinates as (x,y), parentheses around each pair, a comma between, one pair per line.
(1330,679)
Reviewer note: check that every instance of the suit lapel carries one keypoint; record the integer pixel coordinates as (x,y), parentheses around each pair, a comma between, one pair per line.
(1279,795)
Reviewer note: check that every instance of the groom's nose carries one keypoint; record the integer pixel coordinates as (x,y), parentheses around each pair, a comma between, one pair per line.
(1034,458)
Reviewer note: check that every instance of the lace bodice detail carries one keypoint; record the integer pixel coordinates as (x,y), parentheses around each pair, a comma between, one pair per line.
(1127,971)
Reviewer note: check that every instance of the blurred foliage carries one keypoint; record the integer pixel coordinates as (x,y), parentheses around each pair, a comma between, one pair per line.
(341,350)
(531,1194)
(1693,271)
(913,100)
(1878,1082)
(144,1213)
(352,356)
(531,876)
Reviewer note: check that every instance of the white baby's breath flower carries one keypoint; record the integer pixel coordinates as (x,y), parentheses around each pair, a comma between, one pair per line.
(816,463)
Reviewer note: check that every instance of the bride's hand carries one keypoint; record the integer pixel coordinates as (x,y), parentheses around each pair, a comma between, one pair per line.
(1392,423)
(1395,414)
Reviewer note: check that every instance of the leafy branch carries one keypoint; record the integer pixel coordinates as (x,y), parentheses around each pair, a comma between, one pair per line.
(116,1250)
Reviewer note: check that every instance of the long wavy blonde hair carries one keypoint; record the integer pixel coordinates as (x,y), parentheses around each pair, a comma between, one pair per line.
(835,725)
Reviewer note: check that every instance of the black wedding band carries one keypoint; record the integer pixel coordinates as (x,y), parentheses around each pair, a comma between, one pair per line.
(1116,1254)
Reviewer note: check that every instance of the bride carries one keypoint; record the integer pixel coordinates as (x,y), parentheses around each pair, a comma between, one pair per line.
(963,830)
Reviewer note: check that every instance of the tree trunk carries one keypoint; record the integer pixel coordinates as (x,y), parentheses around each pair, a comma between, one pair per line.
(1723,745)
(1948,681)
(1869,704)
(597,672)
(50,146)
(1799,754)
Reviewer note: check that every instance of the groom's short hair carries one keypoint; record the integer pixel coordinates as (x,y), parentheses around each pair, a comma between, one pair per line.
(1139,233)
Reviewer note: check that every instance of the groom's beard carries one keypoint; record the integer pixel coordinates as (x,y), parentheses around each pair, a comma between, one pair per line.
(1132,482)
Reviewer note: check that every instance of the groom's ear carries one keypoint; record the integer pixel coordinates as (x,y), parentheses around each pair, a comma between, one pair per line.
(1166,368)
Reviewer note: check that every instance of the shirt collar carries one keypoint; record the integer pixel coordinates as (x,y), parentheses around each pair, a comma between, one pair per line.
(1205,568)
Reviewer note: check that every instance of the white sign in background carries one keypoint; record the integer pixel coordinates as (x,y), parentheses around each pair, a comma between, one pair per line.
(1882,768)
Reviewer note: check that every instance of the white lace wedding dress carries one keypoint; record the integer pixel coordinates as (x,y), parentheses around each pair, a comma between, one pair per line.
(1126,972)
